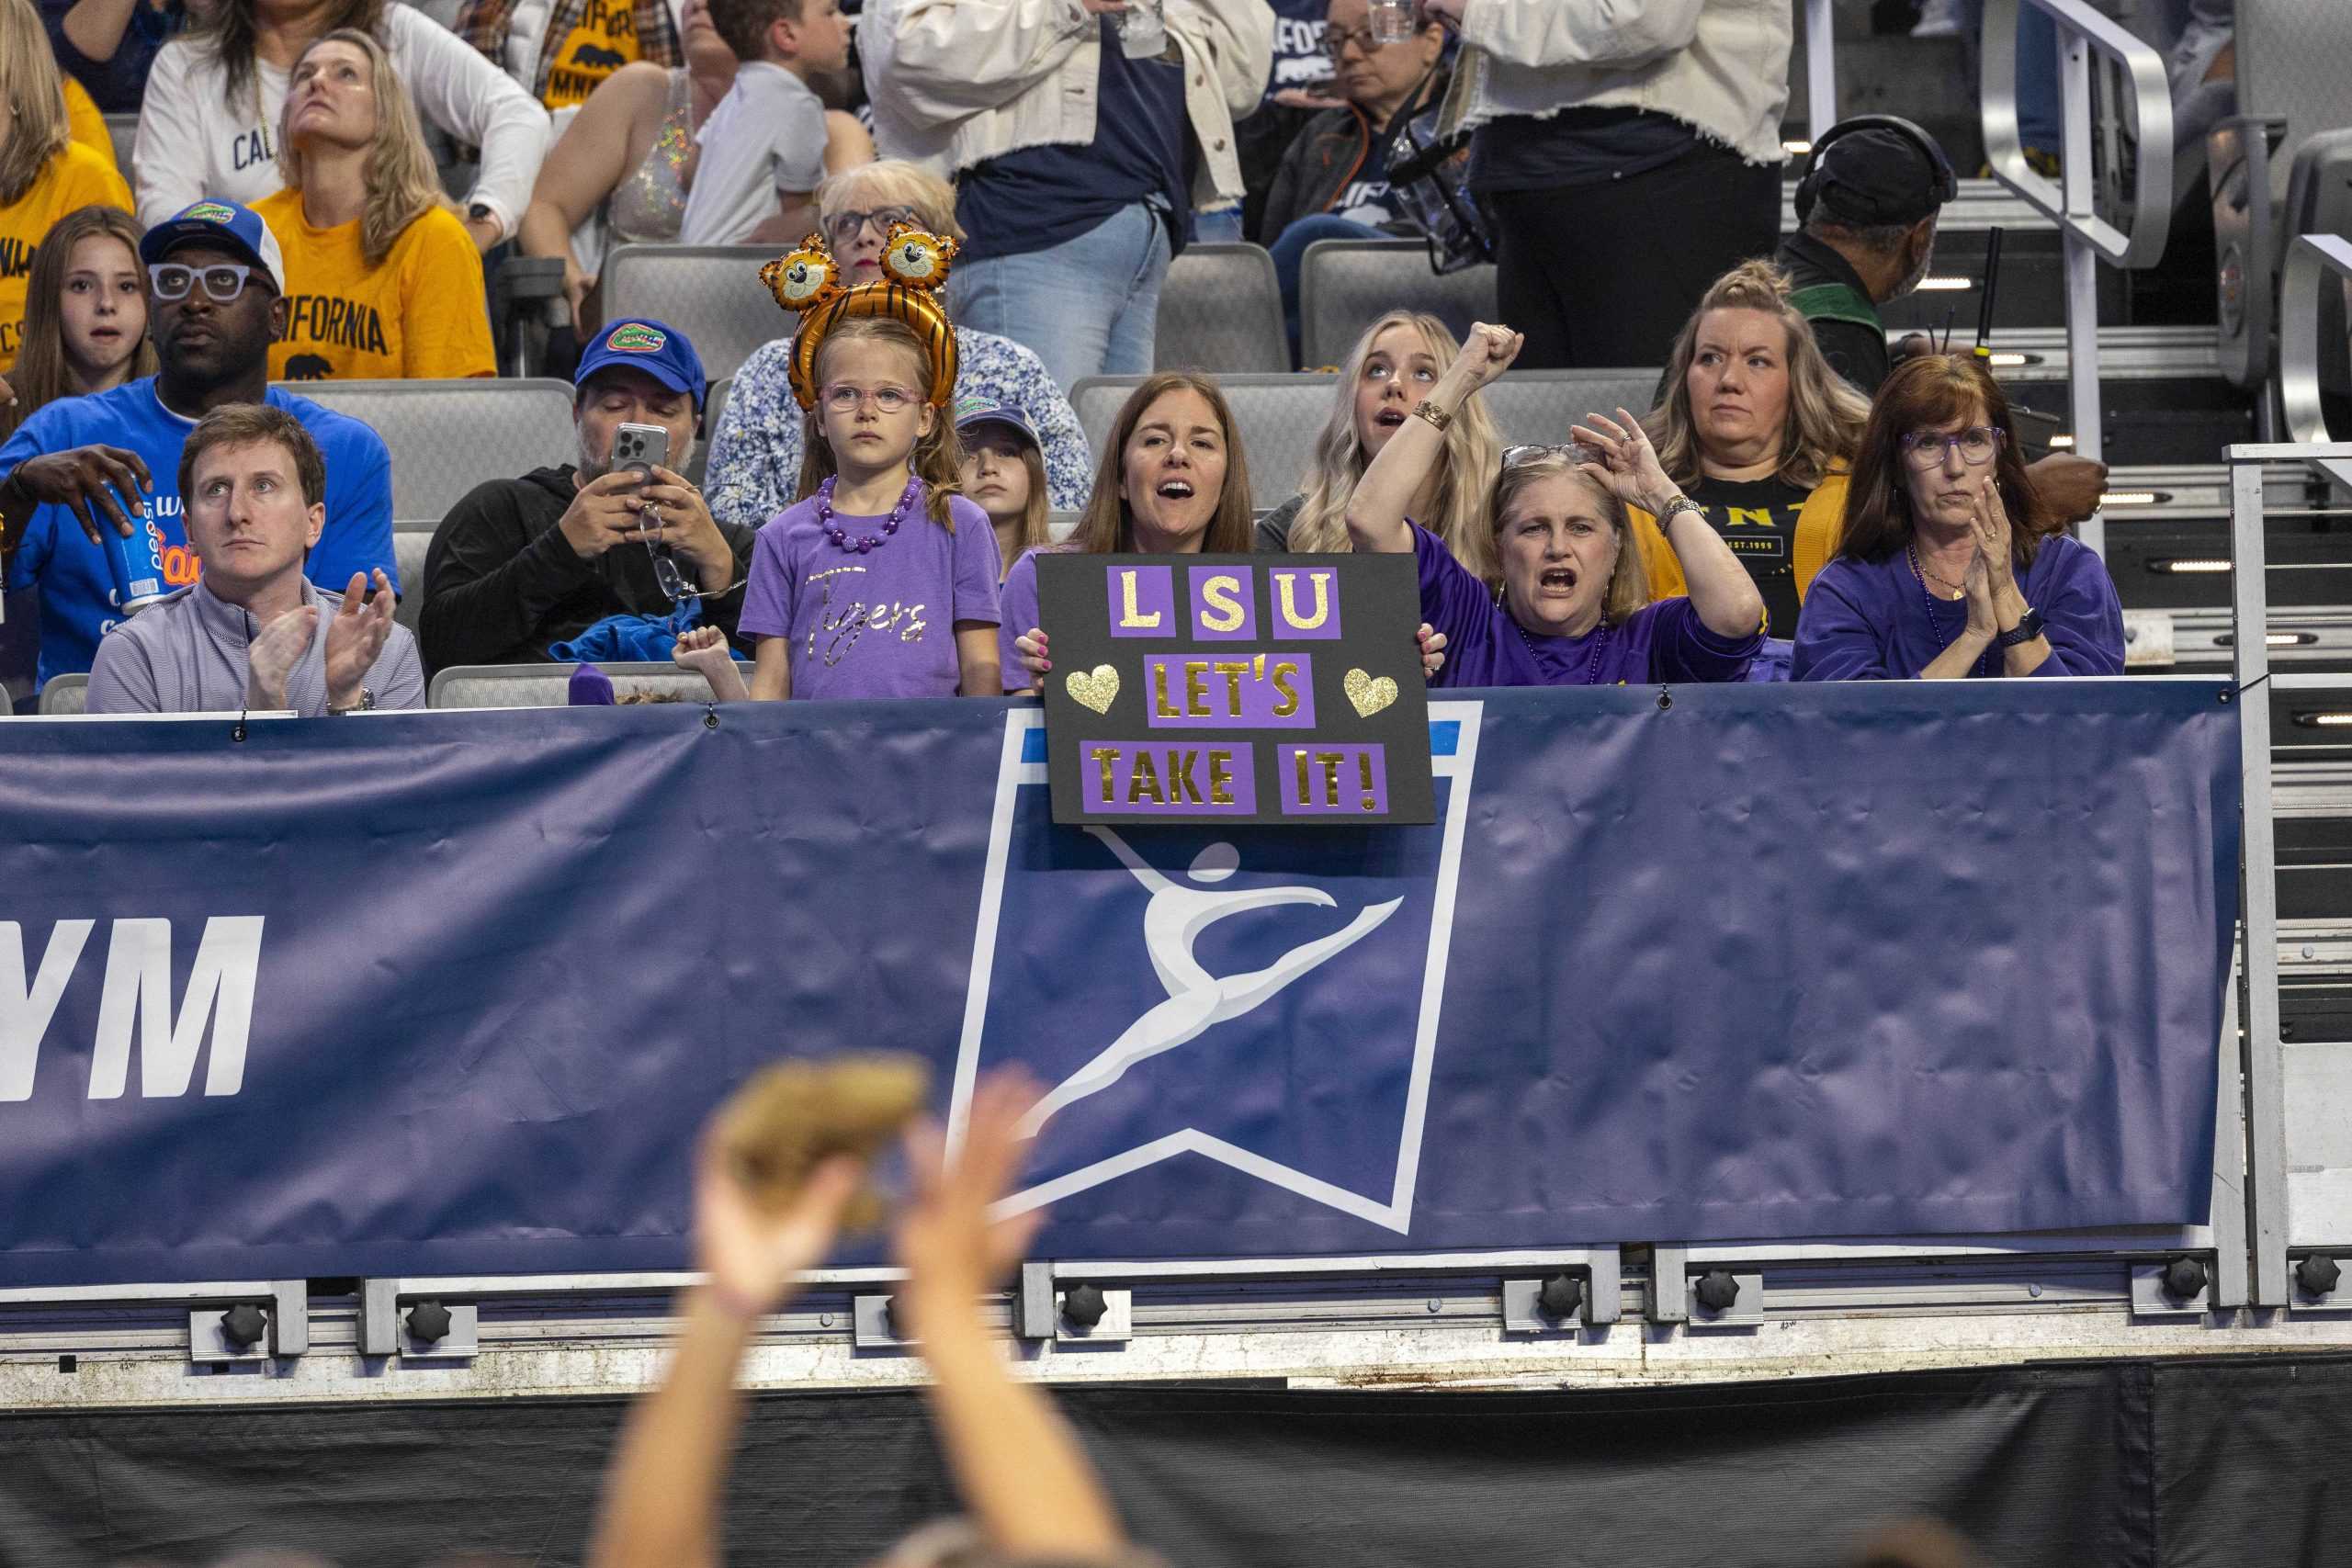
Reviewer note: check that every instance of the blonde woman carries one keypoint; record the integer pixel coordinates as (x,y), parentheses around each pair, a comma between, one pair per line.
(44,172)
(1572,609)
(1390,371)
(1760,433)
(381,279)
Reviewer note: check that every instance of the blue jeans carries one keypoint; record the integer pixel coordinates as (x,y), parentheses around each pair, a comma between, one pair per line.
(1289,250)
(1087,307)
(2040,125)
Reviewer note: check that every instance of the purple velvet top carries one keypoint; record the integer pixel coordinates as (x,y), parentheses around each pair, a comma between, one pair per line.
(1872,620)
(1665,641)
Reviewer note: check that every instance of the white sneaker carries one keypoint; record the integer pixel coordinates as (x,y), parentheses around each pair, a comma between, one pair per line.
(1949,18)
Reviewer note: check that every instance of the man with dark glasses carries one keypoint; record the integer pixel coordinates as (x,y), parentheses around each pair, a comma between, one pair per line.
(84,477)
(521,564)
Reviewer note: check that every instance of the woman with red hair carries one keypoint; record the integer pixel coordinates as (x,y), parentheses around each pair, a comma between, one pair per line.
(1949,565)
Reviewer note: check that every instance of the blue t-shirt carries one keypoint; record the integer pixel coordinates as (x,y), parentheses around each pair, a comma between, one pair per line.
(76,585)
(1038,198)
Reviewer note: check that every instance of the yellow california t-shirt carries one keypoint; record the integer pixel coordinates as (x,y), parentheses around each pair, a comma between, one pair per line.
(85,125)
(418,316)
(605,40)
(76,177)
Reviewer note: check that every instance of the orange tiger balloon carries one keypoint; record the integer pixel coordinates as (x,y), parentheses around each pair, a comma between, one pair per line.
(914,267)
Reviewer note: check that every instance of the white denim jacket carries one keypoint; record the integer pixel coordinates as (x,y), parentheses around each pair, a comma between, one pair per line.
(1719,66)
(955,82)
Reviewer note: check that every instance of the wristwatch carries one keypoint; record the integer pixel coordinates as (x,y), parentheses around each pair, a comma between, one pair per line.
(479,212)
(2029,626)
(366,700)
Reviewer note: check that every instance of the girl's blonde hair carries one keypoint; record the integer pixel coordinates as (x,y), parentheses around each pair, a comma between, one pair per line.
(938,458)
(1471,450)
(1824,427)
(1106,529)
(31,89)
(1036,515)
(402,184)
(1629,585)
(42,375)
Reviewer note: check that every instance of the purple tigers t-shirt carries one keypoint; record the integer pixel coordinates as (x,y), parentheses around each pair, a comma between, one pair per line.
(1665,641)
(878,624)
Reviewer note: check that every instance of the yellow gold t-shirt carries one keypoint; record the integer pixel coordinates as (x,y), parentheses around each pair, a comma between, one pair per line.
(605,40)
(87,125)
(76,177)
(420,315)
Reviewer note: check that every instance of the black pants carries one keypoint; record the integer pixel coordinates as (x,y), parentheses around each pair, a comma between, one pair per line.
(1603,276)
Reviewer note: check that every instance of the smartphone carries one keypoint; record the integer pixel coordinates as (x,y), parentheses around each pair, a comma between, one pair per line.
(639,449)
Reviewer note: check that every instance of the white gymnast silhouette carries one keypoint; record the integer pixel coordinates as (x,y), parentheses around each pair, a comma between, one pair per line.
(1172,923)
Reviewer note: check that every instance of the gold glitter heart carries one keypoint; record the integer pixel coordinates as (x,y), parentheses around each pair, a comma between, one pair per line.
(1368,695)
(1100,689)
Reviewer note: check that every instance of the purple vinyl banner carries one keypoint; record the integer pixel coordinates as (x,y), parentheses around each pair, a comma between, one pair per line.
(450,993)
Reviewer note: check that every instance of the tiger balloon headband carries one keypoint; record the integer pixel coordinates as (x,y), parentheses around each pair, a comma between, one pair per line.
(914,267)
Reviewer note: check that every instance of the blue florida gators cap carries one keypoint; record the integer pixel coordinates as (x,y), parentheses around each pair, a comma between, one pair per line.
(662,351)
(215,222)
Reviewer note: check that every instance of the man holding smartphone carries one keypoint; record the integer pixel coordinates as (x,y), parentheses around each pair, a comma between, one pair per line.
(522,563)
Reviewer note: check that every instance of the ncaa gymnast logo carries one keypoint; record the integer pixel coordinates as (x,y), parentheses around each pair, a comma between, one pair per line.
(1264,997)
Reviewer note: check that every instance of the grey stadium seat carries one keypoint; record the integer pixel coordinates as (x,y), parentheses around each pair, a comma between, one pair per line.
(1221,310)
(1280,416)
(410,540)
(711,293)
(548,685)
(65,694)
(1345,285)
(123,131)
(712,407)
(448,436)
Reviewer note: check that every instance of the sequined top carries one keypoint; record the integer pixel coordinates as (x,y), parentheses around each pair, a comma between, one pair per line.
(649,205)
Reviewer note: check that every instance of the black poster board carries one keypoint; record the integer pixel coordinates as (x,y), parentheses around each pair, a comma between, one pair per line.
(1272,688)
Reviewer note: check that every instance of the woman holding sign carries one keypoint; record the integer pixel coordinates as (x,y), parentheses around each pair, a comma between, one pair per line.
(1172,481)
(1573,609)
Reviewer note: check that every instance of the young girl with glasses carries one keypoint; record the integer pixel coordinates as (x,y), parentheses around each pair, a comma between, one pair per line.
(881,580)
(1950,565)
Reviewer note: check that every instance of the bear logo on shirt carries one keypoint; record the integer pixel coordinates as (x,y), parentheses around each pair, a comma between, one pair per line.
(308,367)
(594,55)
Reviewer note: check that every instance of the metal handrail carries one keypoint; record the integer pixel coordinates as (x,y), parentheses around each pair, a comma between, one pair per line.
(1820,67)
(2067,202)
(2088,238)
(2312,262)
(2265,1045)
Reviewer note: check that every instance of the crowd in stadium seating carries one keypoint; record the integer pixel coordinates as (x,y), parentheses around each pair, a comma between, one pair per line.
(868,531)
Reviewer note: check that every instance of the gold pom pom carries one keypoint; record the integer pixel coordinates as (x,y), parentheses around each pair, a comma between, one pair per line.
(794,1114)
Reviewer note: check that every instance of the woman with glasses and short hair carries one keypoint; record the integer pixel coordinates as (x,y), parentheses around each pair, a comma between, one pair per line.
(1574,606)
(755,452)
(1950,565)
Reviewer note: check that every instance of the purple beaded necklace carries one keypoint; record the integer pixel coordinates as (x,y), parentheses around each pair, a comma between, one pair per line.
(1935,625)
(864,543)
(1599,646)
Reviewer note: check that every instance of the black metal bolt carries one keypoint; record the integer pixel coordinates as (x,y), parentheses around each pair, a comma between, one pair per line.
(1562,1294)
(1717,1289)
(898,1330)
(2317,1275)
(428,1323)
(1084,1305)
(2184,1278)
(243,1326)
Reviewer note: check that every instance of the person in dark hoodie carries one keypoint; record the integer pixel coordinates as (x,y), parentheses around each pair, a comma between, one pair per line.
(519,564)
(1333,182)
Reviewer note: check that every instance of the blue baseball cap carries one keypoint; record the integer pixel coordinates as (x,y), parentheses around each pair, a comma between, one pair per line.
(659,349)
(215,222)
(971,410)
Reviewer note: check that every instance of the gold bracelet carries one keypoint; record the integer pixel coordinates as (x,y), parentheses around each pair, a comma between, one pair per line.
(1436,416)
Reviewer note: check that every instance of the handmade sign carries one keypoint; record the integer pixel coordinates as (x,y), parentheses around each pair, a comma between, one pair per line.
(1235,689)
